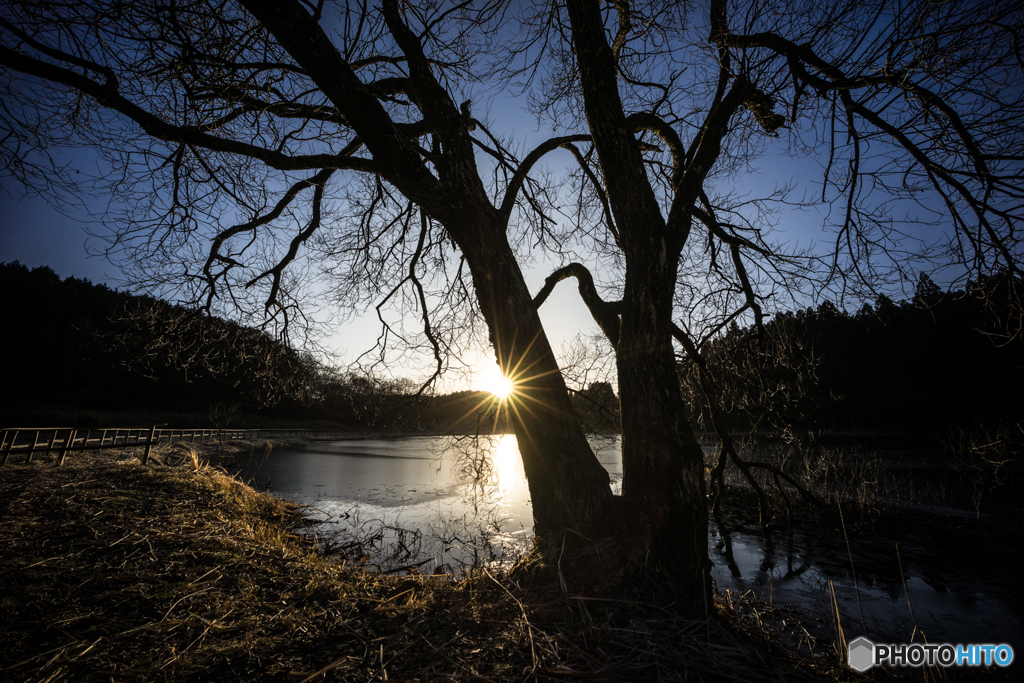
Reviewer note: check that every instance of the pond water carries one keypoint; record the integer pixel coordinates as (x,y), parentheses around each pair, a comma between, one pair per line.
(951,580)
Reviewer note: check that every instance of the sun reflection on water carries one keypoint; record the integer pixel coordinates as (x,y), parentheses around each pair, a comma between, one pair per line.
(508,467)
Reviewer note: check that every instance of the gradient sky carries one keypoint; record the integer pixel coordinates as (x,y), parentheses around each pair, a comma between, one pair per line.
(37,234)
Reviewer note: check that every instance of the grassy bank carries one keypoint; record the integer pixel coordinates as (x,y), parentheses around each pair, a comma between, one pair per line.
(115,571)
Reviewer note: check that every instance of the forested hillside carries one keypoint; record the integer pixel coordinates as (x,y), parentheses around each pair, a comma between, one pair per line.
(927,365)
(74,345)
(82,353)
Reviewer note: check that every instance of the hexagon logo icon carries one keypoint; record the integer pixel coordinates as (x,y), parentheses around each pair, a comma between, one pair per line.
(861,654)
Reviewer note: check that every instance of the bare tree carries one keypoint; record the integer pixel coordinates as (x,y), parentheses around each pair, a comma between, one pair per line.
(244,134)
(246,138)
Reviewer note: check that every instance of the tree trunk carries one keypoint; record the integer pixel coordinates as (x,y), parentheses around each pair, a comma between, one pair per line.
(662,462)
(569,488)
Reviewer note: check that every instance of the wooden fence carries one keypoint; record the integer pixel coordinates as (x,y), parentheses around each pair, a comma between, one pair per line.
(31,441)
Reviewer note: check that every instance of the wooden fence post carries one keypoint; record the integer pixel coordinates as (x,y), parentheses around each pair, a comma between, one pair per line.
(67,447)
(32,448)
(49,446)
(7,449)
(149,445)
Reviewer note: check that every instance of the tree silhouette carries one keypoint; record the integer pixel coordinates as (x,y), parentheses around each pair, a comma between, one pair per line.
(926,366)
(248,141)
(927,293)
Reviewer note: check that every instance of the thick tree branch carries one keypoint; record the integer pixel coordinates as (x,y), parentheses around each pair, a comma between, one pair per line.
(108,95)
(396,160)
(632,199)
(655,124)
(521,173)
(456,167)
(605,314)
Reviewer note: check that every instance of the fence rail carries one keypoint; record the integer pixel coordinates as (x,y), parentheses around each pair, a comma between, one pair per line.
(32,441)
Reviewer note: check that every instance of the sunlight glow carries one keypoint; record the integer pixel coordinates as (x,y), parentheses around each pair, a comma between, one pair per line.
(508,464)
(502,388)
(496,383)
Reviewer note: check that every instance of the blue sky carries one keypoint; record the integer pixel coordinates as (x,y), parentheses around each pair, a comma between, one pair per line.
(35,233)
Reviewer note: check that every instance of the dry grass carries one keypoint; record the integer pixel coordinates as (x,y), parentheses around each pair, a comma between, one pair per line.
(859,479)
(114,571)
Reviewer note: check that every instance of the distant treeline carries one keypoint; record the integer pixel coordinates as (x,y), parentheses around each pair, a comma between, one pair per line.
(937,362)
(74,346)
(74,351)
(82,352)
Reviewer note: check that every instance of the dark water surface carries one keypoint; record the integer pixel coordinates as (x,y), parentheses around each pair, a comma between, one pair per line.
(960,580)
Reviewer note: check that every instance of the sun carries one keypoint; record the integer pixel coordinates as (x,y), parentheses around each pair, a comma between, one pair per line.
(496,383)
(502,387)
